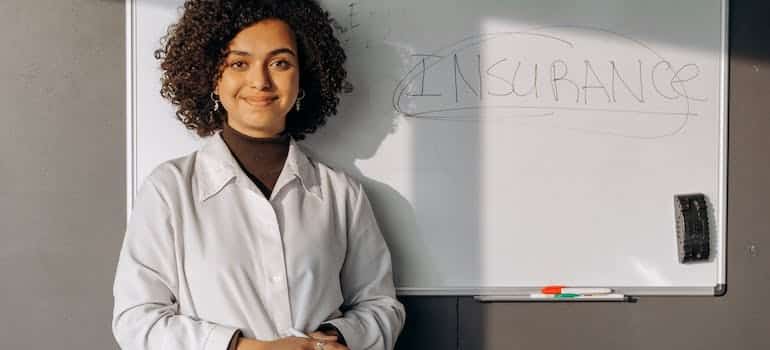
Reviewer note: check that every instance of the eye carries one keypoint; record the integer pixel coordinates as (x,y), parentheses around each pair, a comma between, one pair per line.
(281,64)
(239,65)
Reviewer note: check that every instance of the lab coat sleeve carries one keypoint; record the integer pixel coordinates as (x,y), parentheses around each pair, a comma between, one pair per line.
(145,315)
(372,317)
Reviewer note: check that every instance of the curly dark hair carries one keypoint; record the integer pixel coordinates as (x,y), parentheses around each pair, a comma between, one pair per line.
(194,49)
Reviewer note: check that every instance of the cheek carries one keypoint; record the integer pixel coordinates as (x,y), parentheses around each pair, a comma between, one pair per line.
(290,81)
(292,88)
(228,87)
(228,91)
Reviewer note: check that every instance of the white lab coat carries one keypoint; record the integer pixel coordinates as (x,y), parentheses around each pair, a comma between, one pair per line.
(205,254)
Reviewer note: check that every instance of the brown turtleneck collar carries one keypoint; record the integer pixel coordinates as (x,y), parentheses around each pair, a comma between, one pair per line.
(261,158)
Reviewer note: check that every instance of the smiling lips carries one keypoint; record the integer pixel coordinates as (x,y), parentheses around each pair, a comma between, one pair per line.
(260,101)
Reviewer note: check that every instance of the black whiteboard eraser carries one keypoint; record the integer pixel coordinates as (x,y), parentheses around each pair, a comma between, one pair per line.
(692,227)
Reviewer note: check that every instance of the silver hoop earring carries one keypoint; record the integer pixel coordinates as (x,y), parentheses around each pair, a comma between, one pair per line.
(211,118)
(299,98)
(216,101)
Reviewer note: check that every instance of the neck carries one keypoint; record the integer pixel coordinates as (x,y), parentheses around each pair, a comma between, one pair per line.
(250,136)
(262,158)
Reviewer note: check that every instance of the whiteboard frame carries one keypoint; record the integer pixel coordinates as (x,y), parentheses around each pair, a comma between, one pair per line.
(719,289)
(131,162)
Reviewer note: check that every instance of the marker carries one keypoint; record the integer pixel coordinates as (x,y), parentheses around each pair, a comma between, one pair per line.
(548,298)
(567,290)
(565,297)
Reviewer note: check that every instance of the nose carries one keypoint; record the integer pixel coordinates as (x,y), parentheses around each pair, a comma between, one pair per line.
(259,78)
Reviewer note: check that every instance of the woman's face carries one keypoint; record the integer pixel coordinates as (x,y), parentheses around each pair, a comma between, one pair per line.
(260,80)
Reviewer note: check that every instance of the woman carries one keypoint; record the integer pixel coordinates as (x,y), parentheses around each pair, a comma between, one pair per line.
(247,243)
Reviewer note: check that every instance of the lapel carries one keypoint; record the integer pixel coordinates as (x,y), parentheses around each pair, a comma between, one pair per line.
(215,167)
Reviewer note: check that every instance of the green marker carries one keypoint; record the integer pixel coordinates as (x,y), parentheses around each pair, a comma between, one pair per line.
(566,295)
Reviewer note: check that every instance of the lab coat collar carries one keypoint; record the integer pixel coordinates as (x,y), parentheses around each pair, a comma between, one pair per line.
(216,166)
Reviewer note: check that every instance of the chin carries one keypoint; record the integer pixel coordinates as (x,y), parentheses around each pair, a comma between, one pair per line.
(266,130)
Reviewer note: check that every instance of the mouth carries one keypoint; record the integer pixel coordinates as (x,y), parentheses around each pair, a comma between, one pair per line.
(259,101)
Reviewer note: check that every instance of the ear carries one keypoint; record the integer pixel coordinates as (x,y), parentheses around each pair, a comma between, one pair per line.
(215,85)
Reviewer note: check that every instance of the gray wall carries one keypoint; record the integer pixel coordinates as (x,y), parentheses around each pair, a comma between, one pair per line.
(62,206)
(62,171)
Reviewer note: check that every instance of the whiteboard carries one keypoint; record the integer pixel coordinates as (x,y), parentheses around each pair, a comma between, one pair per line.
(509,145)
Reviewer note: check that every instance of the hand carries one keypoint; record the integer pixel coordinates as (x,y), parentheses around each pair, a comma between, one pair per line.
(289,343)
(296,343)
(327,336)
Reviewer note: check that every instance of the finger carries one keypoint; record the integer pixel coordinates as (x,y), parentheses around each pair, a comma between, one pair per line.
(335,346)
(323,337)
(326,345)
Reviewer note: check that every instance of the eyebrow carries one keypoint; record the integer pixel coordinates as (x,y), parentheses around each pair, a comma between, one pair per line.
(271,53)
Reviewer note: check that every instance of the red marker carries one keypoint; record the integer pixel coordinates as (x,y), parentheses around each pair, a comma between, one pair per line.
(581,291)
